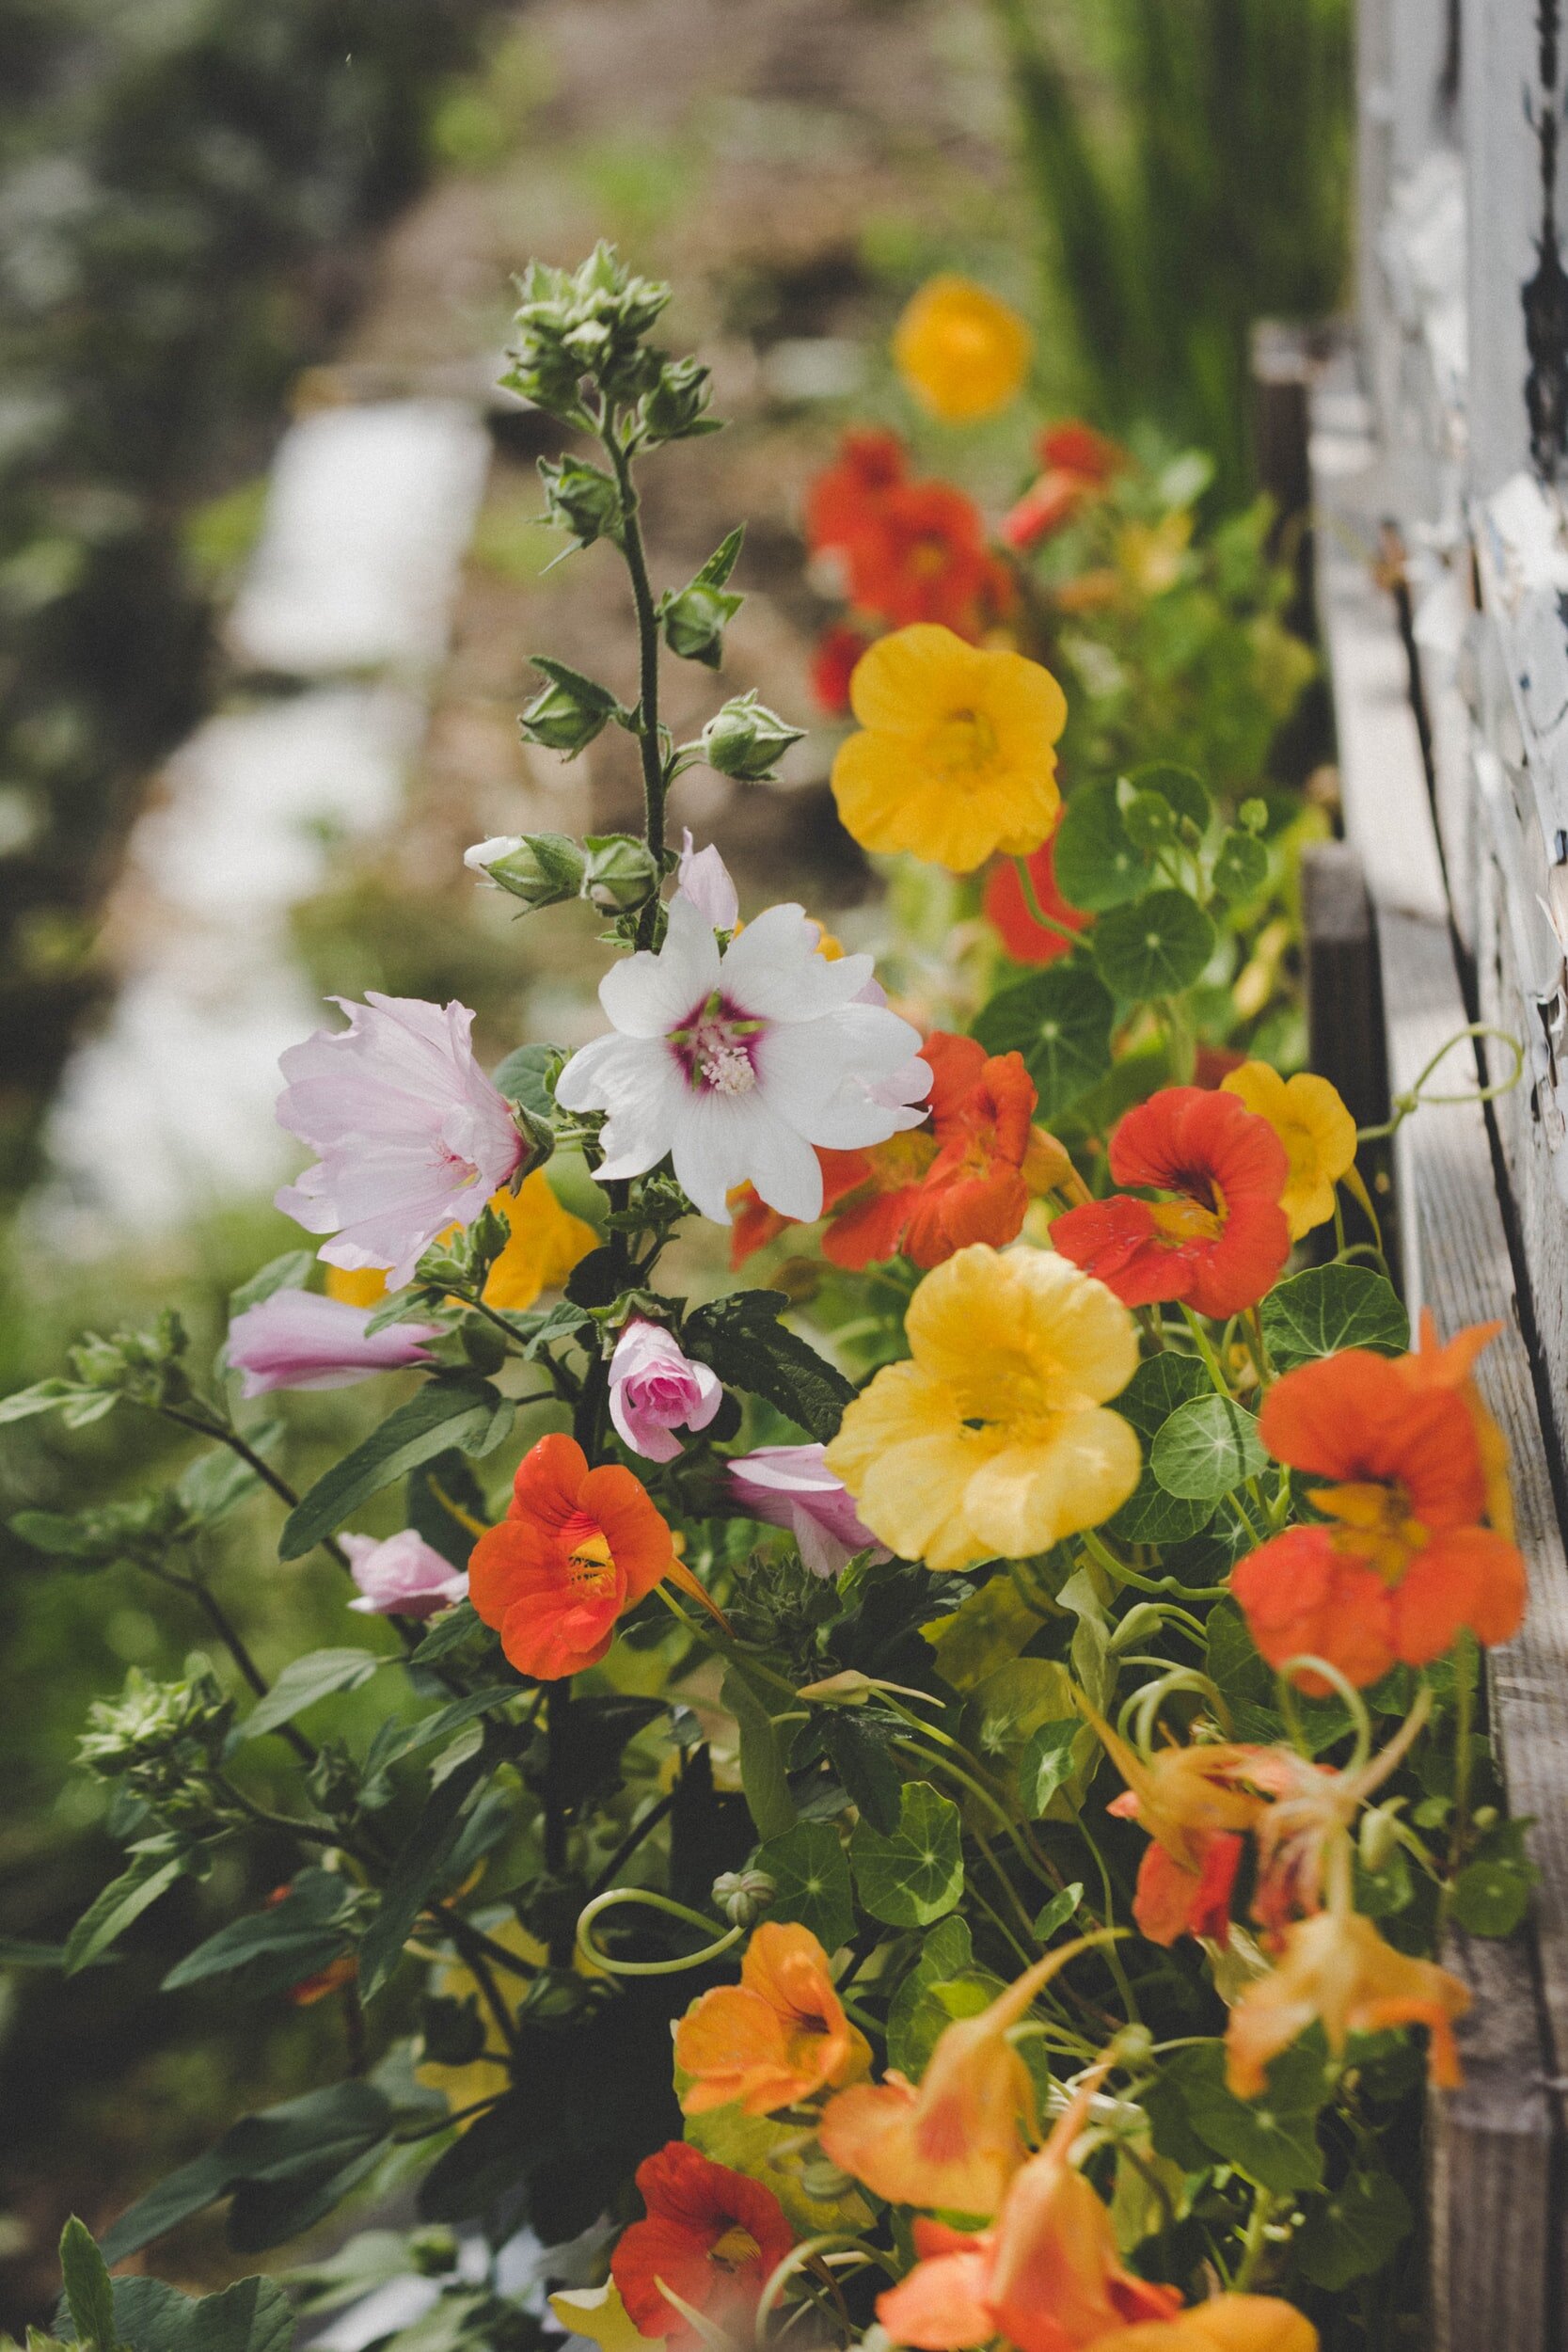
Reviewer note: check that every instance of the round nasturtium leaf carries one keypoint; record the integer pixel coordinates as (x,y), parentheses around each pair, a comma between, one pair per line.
(1186,793)
(1208,1447)
(1157,947)
(1095,861)
(1241,866)
(1332,1307)
(916,1874)
(1060,1022)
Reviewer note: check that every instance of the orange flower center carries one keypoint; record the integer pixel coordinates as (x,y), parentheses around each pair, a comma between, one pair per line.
(962,747)
(590,1561)
(1179,1222)
(903,1159)
(734,2249)
(1377,1524)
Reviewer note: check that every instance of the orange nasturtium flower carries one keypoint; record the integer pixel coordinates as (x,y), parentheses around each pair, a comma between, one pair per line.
(777,2037)
(1076,464)
(1402,1562)
(577,1548)
(711,2235)
(1009,910)
(1336,1968)
(1317,1130)
(961,352)
(992,1440)
(1193,1804)
(1219,1242)
(955,756)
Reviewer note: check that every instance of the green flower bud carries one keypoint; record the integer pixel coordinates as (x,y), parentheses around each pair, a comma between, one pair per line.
(695,619)
(538,1138)
(745,740)
(674,409)
(541,868)
(568,712)
(160,1736)
(622,873)
(581,499)
(1378,1836)
(434,2249)
(586,324)
(743,1896)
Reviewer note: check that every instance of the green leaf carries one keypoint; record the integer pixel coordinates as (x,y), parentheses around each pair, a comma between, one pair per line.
(403,1740)
(1329,1308)
(1058,1911)
(1187,794)
(1353,2231)
(1060,1020)
(87,2287)
(21,1951)
(741,1338)
(434,1489)
(416,1871)
(864,1763)
(1156,947)
(455,1629)
(917,2017)
(1241,866)
(304,1680)
(762,1758)
(913,1876)
(811,1879)
(1048,1764)
(214,1483)
(271,1950)
(291,1272)
(1207,1449)
(722,562)
(1096,861)
(1274,2138)
(1010,1707)
(1150,1515)
(1492,1897)
(121,1902)
(522,1077)
(446,1412)
(43,1397)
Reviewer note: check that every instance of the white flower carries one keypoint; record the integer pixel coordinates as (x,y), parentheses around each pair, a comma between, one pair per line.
(703,878)
(737,1064)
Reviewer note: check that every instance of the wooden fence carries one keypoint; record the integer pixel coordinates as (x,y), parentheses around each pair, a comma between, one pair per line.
(1438,446)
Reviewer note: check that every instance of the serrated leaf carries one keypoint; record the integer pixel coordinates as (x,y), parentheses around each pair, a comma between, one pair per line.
(1060,1020)
(1157,947)
(87,2287)
(915,1875)
(1353,2231)
(1096,861)
(446,1412)
(741,1338)
(811,1882)
(304,1680)
(1209,1447)
(762,1776)
(1329,1308)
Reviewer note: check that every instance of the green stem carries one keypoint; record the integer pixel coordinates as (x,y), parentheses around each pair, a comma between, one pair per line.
(1464,1700)
(1253,2243)
(1036,913)
(630,542)
(1201,1342)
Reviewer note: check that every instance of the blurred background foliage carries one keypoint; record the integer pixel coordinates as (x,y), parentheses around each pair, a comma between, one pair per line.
(194,195)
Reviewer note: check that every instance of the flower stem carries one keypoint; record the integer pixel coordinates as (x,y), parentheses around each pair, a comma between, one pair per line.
(630,541)
(1036,913)
(1253,2242)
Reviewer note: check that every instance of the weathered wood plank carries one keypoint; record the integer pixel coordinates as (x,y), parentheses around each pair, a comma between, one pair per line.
(1344,1026)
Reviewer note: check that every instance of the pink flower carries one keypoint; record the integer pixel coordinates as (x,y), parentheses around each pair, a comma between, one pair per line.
(413,1137)
(788,1486)
(704,878)
(403,1577)
(298,1339)
(654,1390)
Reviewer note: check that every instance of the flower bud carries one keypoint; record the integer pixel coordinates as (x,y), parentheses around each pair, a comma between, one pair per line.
(622,872)
(538,1135)
(825,2182)
(541,868)
(743,1896)
(568,712)
(694,622)
(581,499)
(1378,1836)
(434,2249)
(746,739)
(674,409)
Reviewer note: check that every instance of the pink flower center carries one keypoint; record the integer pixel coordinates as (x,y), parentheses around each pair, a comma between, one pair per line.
(715,1046)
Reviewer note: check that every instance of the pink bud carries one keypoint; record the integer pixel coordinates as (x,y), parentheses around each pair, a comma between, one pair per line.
(654,1388)
(703,878)
(404,1576)
(299,1340)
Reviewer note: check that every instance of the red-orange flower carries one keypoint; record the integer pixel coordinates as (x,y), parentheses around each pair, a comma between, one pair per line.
(1077,462)
(1007,910)
(1220,1242)
(832,665)
(1405,1563)
(711,2235)
(840,499)
(577,1548)
(911,551)
(1195,1805)
(774,2038)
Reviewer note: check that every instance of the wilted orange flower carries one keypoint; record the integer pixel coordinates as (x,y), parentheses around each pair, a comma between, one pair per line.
(1194,1804)
(777,2037)
(1311,1811)
(1405,1563)
(1337,1969)
(955,2140)
(1436,1366)
(1047,2277)
(577,1548)
(711,2235)
(1219,1243)
(1007,910)
(1076,463)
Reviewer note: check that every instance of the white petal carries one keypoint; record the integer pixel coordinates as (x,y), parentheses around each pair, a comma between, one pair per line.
(647,995)
(773,969)
(786,1171)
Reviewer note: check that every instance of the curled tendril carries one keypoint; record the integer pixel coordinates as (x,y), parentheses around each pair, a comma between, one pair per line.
(1416,1097)
(813,2249)
(1144,1704)
(614,1895)
(1354,1702)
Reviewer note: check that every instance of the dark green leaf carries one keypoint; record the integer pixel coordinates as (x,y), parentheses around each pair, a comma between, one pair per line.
(522,1077)
(1274,2138)
(304,1680)
(438,1490)
(120,1903)
(762,1761)
(918,2016)
(867,1766)
(913,1876)
(446,1412)
(1058,1911)
(1241,866)
(1096,861)
(1060,1020)
(214,1483)
(269,1950)
(1157,947)
(811,1879)
(407,1738)
(1355,2230)
(1329,1308)
(416,1872)
(1208,1447)
(87,2289)
(457,1628)
(1186,793)
(722,562)
(741,1338)
(1150,1516)
(1492,1897)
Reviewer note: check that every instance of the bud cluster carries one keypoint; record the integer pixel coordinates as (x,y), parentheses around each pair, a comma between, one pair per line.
(584,327)
(163,1739)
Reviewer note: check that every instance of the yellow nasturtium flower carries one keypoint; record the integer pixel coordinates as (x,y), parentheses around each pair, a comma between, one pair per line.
(598,2313)
(1317,1130)
(993,1441)
(956,756)
(545,1244)
(963,354)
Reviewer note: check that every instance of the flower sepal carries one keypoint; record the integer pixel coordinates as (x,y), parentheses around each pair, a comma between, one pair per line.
(621,874)
(746,740)
(569,711)
(540,868)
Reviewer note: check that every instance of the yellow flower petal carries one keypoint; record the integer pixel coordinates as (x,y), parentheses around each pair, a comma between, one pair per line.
(1316,1129)
(599,2313)
(545,1242)
(357,1286)
(961,352)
